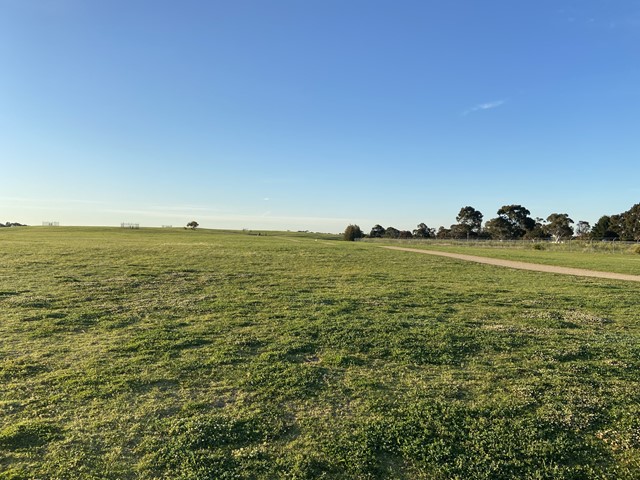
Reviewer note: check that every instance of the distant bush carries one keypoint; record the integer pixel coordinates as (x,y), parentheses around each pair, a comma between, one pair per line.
(12,224)
(538,246)
(352,233)
(636,249)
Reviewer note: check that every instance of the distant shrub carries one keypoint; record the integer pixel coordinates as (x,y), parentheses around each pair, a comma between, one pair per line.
(352,233)
(636,249)
(538,246)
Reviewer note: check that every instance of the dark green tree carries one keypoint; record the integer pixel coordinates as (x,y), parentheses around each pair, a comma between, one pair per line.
(443,233)
(469,221)
(559,226)
(515,222)
(625,226)
(459,231)
(352,233)
(616,226)
(377,232)
(499,228)
(582,229)
(391,232)
(630,224)
(423,231)
(601,230)
(193,225)
(538,231)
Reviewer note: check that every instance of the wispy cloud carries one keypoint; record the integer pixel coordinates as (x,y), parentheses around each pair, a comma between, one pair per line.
(624,16)
(484,106)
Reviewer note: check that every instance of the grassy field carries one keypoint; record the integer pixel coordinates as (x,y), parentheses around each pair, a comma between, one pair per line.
(172,354)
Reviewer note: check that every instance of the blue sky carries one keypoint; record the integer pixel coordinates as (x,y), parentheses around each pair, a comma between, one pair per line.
(310,115)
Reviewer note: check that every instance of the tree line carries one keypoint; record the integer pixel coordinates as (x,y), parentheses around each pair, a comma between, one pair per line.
(513,222)
(11,224)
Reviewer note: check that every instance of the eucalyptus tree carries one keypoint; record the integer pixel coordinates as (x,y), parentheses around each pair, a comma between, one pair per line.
(423,231)
(391,232)
(559,226)
(499,228)
(582,229)
(469,221)
(377,231)
(518,218)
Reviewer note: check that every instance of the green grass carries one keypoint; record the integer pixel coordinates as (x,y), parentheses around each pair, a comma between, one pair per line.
(202,354)
(623,259)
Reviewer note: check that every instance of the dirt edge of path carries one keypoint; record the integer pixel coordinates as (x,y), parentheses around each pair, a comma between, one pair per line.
(536,267)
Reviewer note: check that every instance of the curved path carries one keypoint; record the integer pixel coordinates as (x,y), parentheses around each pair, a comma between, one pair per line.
(536,267)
